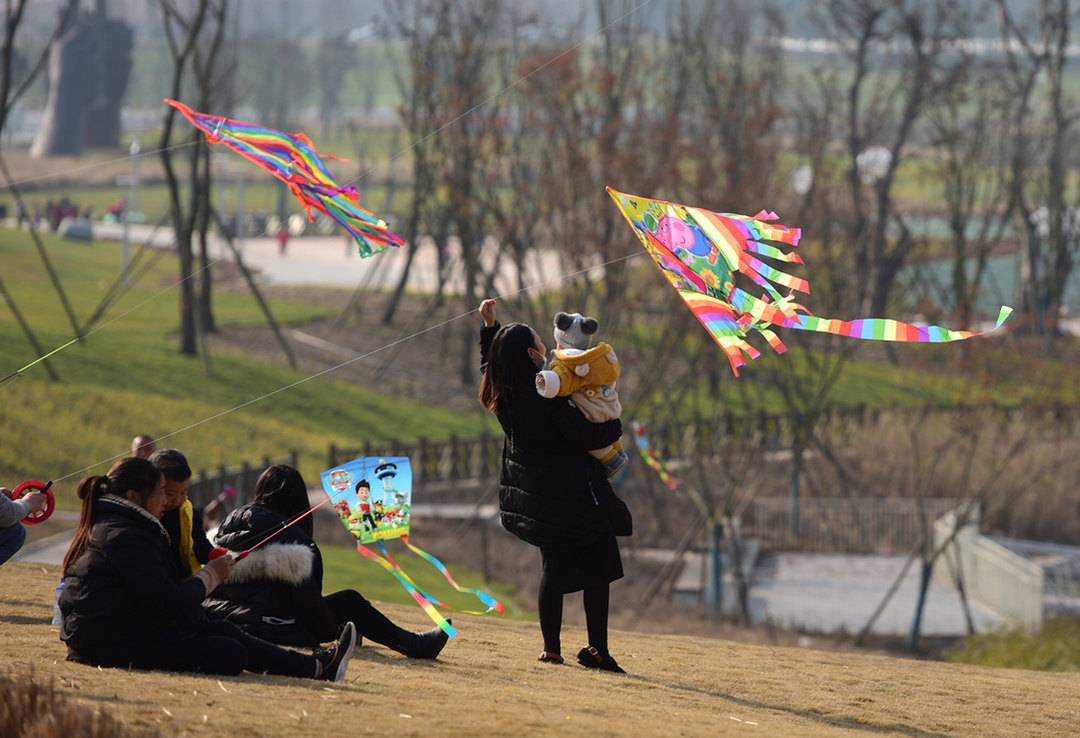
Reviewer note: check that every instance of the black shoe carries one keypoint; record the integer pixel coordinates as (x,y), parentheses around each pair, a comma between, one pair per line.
(335,661)
(591,658)
(426,645)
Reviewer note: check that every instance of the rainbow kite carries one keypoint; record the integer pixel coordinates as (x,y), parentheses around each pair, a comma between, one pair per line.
(700,252)
(292,158)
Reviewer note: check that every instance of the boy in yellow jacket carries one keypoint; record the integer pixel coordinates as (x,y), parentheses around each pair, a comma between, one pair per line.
(181,520)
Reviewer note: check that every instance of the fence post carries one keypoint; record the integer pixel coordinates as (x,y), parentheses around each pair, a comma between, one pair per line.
(485,454)
(419,473)
(331,456)
(294,459)
(714,589)
(453,457)
(203,492)
(367,448)
(485,567)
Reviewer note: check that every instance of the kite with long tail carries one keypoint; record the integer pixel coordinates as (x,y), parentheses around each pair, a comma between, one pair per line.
(701,252)
(292,158)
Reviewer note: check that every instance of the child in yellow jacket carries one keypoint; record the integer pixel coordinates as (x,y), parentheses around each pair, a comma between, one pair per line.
(589,375)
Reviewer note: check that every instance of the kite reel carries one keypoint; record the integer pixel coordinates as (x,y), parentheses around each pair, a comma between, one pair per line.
(34,485)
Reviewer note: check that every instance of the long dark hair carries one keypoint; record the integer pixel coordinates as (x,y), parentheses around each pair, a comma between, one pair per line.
(127,475)
(281,489)
(510,369)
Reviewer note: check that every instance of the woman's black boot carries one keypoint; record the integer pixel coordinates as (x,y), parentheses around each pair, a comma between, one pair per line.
(591,658)
(426,645)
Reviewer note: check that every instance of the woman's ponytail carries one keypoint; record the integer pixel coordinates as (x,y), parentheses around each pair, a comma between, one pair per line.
(89,490)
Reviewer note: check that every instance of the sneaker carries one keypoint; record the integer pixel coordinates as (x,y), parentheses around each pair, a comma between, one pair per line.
(335,661)
(591,658)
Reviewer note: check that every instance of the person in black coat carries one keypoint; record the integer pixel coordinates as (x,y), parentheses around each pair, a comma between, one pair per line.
(275,593)
(124,606)
(552,493)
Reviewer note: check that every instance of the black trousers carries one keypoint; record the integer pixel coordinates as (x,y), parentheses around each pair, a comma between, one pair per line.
(550,605)
(222,648)
(349,605)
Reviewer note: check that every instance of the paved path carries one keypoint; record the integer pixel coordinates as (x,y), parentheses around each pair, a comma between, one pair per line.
(829,592)
(329,260)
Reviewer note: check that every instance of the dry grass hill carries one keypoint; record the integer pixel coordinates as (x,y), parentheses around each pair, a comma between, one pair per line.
(488,683)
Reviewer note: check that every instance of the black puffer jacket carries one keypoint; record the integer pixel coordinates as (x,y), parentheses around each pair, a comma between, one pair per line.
(550,487)
(276,592)
(123,598)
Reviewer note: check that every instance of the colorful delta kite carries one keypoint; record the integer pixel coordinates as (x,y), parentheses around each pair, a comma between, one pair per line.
(655,463)
(700,252)
(292,158)
(373,499)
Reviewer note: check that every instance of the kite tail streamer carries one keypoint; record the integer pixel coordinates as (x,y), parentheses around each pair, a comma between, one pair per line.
(645,449)
(491,603)
(887,329)
(397,567)
(405,582)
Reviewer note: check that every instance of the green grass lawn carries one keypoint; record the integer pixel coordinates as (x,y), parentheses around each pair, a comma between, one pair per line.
(345,568)
(1056,648)
(128,378)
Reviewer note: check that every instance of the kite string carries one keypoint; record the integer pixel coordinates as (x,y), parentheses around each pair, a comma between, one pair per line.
(354,359)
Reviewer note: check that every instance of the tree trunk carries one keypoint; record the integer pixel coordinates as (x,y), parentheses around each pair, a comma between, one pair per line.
(207,325)
(920,605)
(188,339)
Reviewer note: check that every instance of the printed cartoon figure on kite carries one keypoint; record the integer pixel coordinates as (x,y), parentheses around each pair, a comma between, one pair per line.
(342,509)
(362,517)
(700,252)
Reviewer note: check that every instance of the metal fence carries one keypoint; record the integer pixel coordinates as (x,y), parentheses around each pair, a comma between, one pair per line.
(456,460)
(231,486)
(477,459)
(843,524)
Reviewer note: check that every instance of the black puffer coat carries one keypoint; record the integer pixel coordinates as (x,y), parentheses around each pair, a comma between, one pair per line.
(123,597)
(276,592)
(550,487)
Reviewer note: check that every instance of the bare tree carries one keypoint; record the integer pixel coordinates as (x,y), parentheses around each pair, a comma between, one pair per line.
(183,32)
(886,40)
(969,130)
(419,110)
(1037,49)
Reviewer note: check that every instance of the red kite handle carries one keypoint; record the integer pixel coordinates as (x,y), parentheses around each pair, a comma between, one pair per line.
(34,485)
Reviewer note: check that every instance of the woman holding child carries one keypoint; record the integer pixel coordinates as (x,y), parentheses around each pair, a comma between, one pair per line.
(124,604)
(553,494)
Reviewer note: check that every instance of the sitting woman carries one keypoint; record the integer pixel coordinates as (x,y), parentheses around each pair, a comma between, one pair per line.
(276,592)
(123,605)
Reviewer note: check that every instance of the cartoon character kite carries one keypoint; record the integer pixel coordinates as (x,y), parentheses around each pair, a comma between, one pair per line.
(376,521)
(292,158)
(700,252)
